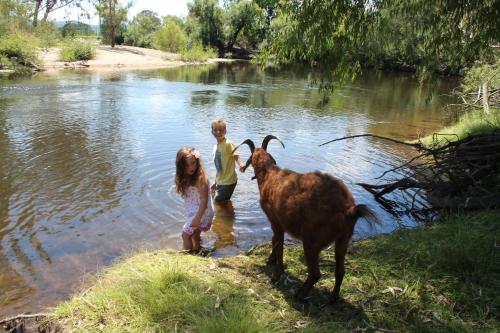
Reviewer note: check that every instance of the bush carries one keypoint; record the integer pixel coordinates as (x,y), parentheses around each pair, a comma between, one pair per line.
(17,50)
(47,33)
(170,38)
(198,54)
(80,50)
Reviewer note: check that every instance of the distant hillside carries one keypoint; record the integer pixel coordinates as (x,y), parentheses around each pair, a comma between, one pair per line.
(94,27)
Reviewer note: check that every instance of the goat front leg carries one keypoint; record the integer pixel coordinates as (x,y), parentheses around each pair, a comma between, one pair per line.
(340,252)
(276,255)
(311,252)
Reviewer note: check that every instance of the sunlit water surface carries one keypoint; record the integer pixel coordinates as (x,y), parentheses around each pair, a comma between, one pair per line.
(87,160)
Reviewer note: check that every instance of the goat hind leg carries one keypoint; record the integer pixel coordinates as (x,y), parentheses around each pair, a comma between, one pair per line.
(311,253)
(340,252)
(276,255)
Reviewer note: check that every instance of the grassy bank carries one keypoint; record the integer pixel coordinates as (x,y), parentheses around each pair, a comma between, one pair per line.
(471,123)
(443,278)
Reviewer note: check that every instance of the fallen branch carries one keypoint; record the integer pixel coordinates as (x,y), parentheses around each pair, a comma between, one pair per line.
(416,145)
(23,316)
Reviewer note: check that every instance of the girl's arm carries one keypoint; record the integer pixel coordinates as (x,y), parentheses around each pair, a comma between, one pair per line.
(202,185)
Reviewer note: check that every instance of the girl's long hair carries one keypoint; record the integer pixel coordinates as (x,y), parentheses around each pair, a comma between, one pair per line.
(181,179)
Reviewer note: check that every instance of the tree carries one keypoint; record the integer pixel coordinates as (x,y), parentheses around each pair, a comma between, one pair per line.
(333,35)
(72,29)
(170,38)
(244,17)
(48,6)
(210,18)
(112,14)
(141,29)
(13,15)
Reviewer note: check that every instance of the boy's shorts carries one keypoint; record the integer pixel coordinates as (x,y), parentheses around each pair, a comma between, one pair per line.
(224,192)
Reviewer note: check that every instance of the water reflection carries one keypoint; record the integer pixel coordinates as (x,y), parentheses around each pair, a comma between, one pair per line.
(87,159)
(223,224)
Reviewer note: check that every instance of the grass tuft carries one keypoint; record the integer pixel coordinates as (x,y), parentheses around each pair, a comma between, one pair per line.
(472,123)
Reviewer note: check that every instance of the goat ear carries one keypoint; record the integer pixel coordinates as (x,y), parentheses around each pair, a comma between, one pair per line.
(272,158)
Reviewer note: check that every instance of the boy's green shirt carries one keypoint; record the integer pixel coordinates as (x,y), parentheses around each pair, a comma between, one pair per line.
(224,163)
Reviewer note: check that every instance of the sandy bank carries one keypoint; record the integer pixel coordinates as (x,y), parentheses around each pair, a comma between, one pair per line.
(108,58)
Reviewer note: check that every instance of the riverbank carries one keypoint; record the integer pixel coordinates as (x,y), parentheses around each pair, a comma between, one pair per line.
(120,57)
(439,278)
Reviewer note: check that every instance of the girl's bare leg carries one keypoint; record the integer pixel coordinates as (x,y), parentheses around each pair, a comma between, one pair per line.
(196,240)
(187,243)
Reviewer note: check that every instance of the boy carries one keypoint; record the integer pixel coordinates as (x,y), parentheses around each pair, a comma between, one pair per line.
(224,159)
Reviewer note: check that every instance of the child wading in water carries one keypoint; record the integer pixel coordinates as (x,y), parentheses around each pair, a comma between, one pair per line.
(191,182)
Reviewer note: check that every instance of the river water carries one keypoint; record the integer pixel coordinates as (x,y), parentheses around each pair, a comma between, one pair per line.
(87,160)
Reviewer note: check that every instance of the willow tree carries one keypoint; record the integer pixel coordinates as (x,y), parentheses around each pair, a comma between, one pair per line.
(341,35)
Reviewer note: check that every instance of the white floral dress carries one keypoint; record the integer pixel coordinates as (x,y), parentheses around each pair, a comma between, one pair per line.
(192,204)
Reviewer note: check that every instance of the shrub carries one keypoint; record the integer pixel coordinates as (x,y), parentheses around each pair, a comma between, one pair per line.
(170,38)
(80,50)
(17,49)
(198,54)
(47,33)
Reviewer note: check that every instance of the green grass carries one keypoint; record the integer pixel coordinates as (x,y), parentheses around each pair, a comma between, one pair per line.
(472,123)
(17,49)
(77,50)
(197,54)
(442,278)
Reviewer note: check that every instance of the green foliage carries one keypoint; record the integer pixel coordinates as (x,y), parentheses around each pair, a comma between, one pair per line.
(483,72)
(210,19)
(244,19)
(47,33)
(338,36)
(113,17)
(17,49)
(471,123)
(13,16)
(196,53)
(140,31)
(170,38)
(74,29)
(77,51)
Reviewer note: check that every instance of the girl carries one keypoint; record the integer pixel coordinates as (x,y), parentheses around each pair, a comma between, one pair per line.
(191,183)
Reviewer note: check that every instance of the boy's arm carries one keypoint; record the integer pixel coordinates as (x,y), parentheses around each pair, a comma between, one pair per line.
(240,162)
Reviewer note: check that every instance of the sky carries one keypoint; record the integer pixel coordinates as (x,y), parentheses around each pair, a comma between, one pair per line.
(162,7)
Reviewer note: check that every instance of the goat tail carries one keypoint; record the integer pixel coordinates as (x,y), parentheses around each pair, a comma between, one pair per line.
(354,213)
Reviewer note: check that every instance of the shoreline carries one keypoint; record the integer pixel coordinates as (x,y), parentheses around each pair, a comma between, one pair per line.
(121,57)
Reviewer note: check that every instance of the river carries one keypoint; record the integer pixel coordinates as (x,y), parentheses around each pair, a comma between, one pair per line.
(87,159)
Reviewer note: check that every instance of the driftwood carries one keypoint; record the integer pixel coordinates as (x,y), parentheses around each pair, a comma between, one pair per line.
(460,174)
(29,323)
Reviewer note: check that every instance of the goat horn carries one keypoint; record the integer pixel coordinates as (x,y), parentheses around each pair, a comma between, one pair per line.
(269,138)
(249,143)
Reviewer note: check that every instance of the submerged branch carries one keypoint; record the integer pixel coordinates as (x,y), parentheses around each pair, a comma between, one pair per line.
(416,145)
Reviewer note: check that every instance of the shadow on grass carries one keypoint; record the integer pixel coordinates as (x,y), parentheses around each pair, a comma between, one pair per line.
(318,306)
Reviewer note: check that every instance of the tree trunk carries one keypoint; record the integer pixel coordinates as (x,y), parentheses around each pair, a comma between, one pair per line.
(112,22)
(35,12)
(48,8)
(486,105)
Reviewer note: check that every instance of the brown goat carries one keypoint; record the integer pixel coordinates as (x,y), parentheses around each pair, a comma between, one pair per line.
(314,207)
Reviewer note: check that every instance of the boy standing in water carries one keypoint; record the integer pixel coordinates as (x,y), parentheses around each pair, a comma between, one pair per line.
(224,159)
